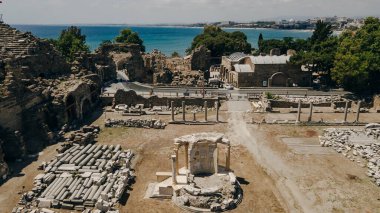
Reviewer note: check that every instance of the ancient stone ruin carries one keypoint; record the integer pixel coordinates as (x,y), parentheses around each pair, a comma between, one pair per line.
(40,91)
(359,145)
(136,123)
(203,184)
(83,177)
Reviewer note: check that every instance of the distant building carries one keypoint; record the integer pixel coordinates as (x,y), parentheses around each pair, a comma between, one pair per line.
(241,70)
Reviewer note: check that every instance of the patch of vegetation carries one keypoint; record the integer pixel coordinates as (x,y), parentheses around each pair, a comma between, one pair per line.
(70,42)
(220,42)
(127,36)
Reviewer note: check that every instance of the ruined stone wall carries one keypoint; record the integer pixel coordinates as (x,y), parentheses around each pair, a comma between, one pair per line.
(126,58)
(264,72)
(131,98)
(245,79)
(288,104)
(201,59)
(34,80)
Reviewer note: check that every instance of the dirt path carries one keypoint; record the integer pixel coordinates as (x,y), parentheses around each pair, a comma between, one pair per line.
(303,182)
(275,167)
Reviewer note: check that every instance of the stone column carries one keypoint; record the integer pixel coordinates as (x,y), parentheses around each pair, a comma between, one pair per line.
(310,113)
(194,117)
(217,110)
(358,112)
(205,108)
(172,105)
(187,155)
(299,112)
(174,169)
(216,160)
(228,157)
(345,112)
(183,111)
(176,162)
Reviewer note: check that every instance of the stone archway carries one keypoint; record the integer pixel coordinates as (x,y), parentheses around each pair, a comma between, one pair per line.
(71,108)
(278,79)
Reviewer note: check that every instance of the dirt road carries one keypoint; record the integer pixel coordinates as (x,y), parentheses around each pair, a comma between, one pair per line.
(319,184)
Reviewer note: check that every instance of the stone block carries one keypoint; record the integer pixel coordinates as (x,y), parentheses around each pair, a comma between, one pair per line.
(165,190)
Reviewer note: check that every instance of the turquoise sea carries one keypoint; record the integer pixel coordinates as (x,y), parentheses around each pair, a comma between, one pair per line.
(165,39)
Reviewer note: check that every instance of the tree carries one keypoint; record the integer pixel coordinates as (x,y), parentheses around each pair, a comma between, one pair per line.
(321,32)
(284,45)
(319,52)
(127,36)
(175,54)
(260,42)
(220,42)
(357,61)
(71,41)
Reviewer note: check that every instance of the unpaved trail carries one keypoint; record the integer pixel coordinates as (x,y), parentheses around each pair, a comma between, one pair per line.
(287,190)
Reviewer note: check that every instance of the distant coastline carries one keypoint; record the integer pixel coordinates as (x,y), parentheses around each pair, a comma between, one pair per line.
(163,26)
(166,38)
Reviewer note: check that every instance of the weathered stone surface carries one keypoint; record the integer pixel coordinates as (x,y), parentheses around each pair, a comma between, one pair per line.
(126,58)
(357,145)
(131,98)
(201,59)
(40,91)
(137,123)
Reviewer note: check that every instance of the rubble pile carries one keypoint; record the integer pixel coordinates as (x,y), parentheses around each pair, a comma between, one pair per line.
(137,123)
(83,177)
(312,99)
(219,197)
(195,109)
(366,153)
(84,136)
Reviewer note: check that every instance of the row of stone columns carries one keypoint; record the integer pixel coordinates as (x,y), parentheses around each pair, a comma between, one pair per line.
(194,117)
(311,112)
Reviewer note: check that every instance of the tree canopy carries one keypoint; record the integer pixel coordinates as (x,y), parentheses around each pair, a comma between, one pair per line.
(129,37)
(220,42)
(175,54)
(357,61)
(284,45)
(319,51)
(70,42)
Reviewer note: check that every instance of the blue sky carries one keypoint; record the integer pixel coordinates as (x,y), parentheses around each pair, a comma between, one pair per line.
(175,11)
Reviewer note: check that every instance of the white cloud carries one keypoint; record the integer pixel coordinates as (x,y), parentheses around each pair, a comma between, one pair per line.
(175,11)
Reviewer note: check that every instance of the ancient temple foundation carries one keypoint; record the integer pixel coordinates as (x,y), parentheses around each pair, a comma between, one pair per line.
(202,183)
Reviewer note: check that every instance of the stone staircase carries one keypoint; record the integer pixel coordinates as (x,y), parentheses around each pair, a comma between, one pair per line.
(14,43)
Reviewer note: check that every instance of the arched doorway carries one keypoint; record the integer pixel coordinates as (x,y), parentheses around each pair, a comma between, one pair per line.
(278,79)
(71,108)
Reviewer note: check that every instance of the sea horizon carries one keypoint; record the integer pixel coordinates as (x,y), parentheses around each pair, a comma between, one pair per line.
(167,39)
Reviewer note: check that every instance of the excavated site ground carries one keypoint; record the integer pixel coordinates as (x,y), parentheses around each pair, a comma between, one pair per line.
(281,168)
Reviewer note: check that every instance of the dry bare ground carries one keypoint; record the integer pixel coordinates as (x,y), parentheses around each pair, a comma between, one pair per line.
(273,176)
(305,182)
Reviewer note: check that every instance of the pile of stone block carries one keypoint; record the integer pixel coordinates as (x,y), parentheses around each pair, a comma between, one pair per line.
(136,123)
(360,145)
(312,99)
(220,198)
(83,177)
(85,135)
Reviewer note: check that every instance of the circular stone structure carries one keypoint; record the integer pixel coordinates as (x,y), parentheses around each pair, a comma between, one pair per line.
(203,185)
